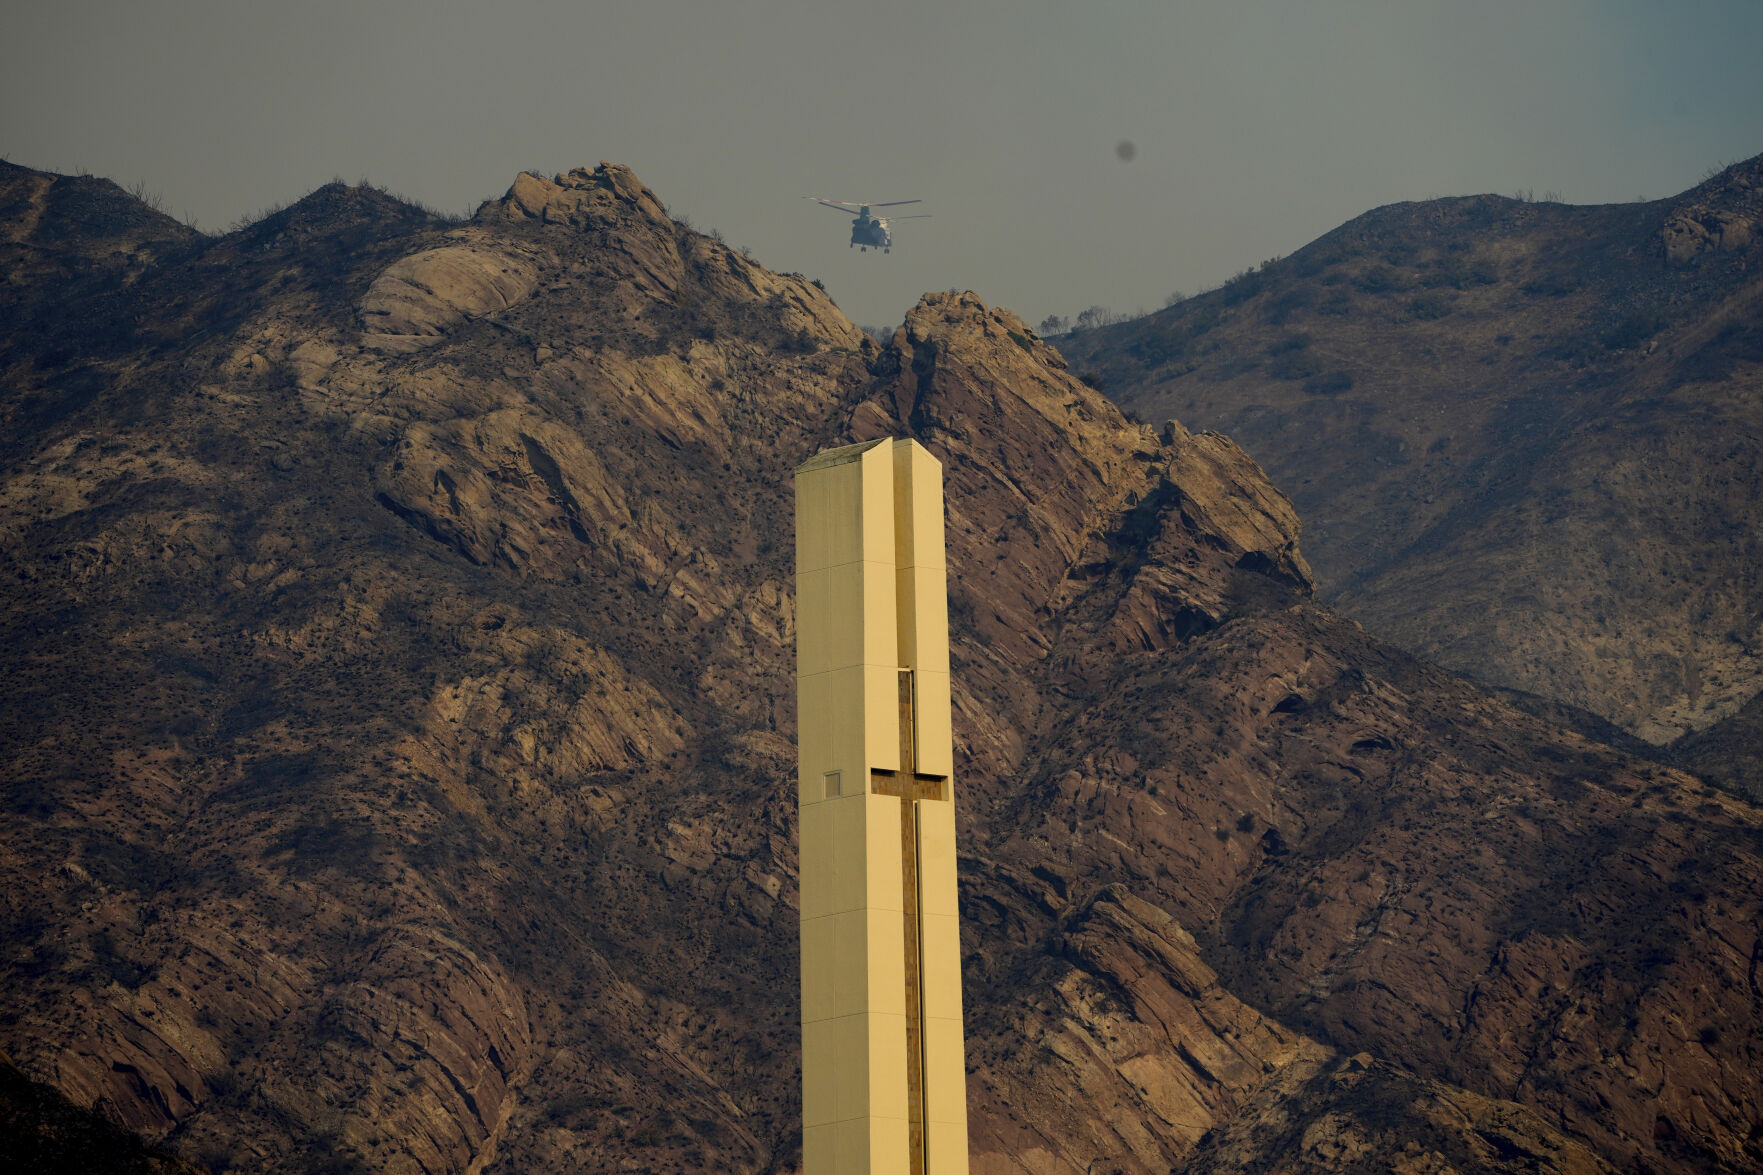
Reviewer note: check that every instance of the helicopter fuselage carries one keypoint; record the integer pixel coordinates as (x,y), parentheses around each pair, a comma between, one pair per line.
(871,231)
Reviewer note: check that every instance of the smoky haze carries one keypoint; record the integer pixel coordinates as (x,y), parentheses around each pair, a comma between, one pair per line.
(1068,154)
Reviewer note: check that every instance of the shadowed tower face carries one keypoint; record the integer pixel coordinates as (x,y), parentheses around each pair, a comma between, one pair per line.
(884,1079)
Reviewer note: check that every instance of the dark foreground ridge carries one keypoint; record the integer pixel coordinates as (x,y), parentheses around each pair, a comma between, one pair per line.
(43,1133)
(398,646)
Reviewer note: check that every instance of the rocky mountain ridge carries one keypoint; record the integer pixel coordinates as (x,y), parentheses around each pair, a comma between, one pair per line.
(399,652)
(1524,435)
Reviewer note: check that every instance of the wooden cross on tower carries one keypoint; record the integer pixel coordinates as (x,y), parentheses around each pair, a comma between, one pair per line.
(912,788)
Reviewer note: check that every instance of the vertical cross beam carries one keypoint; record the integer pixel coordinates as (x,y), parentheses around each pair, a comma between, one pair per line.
(911,787)
(883,1071)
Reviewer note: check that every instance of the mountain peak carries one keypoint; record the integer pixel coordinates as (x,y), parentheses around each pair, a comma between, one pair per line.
(576,198)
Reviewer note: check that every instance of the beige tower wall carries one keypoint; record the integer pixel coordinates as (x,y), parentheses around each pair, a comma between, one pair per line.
(921,592)
(945,1061)
(871,600)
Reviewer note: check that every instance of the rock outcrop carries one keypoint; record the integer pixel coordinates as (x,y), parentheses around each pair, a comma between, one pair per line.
(1124,1009)
(421,297)
(1723,215)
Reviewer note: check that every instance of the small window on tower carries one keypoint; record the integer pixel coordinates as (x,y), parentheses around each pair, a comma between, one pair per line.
(832,784)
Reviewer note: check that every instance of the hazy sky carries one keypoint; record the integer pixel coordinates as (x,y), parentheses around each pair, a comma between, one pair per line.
(1257,126)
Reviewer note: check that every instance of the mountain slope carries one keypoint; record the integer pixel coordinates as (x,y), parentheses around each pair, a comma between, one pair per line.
(42,1133)
(1525,437)
(399,643)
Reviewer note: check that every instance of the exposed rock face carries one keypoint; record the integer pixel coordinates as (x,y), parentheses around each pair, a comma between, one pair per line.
(45,1134)
(419,298)
(398,749)
(1320,1117)
(1722,216)
(1524,436)
(1123,1009)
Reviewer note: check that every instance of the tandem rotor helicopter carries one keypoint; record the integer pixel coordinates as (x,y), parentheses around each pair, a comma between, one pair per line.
(870,232)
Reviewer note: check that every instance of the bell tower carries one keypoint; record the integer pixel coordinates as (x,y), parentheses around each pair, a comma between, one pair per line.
(884,1078)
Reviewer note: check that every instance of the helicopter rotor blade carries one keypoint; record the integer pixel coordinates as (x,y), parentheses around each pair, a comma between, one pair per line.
(891,203)
(840,205)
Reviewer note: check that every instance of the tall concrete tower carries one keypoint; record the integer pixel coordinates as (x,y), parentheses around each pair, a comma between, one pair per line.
(884,1076)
